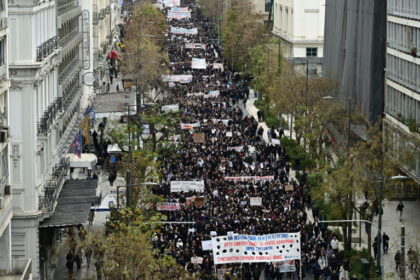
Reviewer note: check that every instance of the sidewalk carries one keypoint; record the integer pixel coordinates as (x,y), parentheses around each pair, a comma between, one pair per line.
(391,225)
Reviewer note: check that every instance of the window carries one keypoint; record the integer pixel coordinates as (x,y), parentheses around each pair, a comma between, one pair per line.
(312,52)
(267,6)
(2,52)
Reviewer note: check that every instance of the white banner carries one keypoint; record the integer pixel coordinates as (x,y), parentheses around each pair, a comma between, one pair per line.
(179,15)
(197,260)
(187,186)
(255,201)
(256,248)
(195,94)
(237,148)
(189,125)
(195,46)
(180,30)
(212,93)
(198,63)
(250,178)
(170,3)
(177,78)
(170,108)
(286,266)
(206,245)
(168,206)
(218,66)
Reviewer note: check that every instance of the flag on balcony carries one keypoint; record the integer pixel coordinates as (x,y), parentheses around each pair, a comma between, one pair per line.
(90,111)
(78,144)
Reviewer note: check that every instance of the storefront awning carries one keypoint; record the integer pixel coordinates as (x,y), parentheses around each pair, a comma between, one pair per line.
(85,160)
(73,204)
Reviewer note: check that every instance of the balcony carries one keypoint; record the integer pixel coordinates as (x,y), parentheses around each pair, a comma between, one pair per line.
(49,116)
(69,70)
(46,48)
(404,8)
(68,99)
(53,187)
(21,270)
(66,7)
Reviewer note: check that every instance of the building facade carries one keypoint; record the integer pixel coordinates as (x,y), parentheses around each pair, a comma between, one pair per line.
(402,88)
(5,194)
(299,26)
(354,52)
(45,72)
(262,7)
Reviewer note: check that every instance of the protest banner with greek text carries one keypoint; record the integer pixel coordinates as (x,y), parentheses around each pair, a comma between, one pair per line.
(187,186)
(256,248)
(168,206)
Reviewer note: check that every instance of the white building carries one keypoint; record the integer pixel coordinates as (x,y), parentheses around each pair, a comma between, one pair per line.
(299,25)
(45,63)
(5,195)
(262,7)
(402,90)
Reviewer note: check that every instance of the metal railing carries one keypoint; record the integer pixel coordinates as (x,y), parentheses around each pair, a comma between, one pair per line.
(65,7)
(68,37)
(46,48)
(69,68)
(49,116)
(52,188)
(70,96)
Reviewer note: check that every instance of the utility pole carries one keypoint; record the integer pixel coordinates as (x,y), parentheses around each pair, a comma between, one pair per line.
(128,189)
(402,268)
(379,236)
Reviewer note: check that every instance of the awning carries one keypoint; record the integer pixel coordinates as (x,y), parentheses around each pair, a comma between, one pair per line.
(73,204)
(85,160)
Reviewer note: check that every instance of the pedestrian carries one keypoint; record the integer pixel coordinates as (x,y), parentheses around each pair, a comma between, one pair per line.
(78,259)
(397,259)
(375,248)
(70,263)
(334,244)
(91,217)
(98,266)
(400,208)
(88,255)
(385,240)
(413,259)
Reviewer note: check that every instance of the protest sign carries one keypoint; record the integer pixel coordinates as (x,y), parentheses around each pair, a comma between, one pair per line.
(286,266)
(255,201)
(187,186)
(198,63)
(288,188)
(186,31)
(212,93)
(170,108)
(199,201)
(218,66)
(168,206)
(213,233)
(275,141)
(229,134)
(195,94)
(250,178)
(256,248)
(189,125)
(206,245)
(237,148)
(179,15)
(195,46)
(197,260)
(177,78)
(199,137)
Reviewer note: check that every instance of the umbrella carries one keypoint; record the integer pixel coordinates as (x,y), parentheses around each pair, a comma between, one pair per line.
(113,55)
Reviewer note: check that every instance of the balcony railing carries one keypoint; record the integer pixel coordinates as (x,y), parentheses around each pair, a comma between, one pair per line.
(49,116)
(69,37)
(46,48)
(65,7)
(68,99)
(72,66)
(53,187)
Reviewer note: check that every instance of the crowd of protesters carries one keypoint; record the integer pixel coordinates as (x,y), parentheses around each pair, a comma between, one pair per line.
(232,146)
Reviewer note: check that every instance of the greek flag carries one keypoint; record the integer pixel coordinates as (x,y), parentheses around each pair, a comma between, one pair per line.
(90,110)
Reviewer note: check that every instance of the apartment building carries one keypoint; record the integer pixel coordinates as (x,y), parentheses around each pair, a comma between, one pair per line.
(299,26)
(262,7)
(402,89)
(45,71)
(5,194)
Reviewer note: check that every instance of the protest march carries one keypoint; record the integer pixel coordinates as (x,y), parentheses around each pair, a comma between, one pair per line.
(248,216)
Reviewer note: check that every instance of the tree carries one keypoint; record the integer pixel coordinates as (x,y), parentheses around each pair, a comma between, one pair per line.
(237,43)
